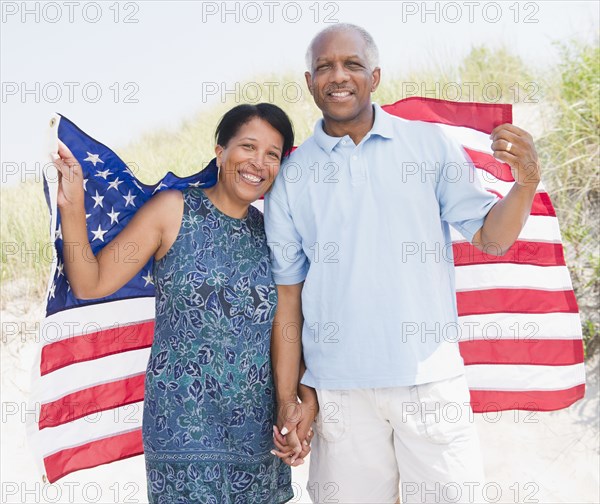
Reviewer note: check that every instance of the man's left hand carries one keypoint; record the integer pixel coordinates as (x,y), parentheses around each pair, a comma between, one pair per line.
(514,146)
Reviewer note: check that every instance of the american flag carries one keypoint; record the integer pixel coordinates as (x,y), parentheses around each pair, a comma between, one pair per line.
(520,326)
(520,330)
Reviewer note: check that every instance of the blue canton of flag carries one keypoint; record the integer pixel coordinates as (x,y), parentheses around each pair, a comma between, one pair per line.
(112,196)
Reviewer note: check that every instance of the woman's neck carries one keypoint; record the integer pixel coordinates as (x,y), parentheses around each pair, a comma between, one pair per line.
(224,203)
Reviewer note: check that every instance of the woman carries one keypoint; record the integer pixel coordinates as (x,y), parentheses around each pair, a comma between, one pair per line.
(209,399)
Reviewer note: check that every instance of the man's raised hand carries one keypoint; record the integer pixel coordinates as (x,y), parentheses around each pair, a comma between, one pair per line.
(515,146)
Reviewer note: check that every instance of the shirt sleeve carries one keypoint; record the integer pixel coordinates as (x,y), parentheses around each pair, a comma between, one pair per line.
(289,263)
(464,202)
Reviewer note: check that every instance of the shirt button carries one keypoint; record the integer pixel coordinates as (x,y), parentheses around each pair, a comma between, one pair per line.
(343,142)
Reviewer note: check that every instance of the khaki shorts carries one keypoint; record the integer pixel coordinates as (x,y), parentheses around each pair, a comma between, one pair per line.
(373,445)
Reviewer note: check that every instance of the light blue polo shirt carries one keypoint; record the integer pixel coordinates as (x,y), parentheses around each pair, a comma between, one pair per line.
(366,227)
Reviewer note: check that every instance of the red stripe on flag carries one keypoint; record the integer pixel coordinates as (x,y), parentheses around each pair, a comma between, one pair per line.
(541,352)
(542,205)
(94,453)
(485,301)
(487,401)
(480,116)
(521,252)
(97,344)
(490,164)
(92,400)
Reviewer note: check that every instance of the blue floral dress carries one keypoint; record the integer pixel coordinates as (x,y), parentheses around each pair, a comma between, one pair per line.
(209,403)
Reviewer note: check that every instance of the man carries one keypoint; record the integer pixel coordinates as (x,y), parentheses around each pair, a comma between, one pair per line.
(338,220)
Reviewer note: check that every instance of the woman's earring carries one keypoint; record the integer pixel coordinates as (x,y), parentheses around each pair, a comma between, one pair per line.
(218,172)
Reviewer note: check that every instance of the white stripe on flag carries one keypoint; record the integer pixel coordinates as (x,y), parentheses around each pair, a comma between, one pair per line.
(86,374)
(93,318)
(512,276)
(92,427)
(520,377)
(520,326)
(473,139)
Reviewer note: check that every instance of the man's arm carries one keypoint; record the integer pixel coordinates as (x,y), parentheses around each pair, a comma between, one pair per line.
(506,218)
(309,406)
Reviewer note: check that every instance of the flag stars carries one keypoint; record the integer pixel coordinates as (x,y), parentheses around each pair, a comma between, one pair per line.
(194,184)
(58,233)
(113,216)
(115,184)
(148,279)
(98,200)
(51,293)
(104,174)
(59,269)
(93,158)
(129,199)
(99,233)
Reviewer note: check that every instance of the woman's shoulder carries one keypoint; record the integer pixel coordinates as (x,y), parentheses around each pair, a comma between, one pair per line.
(167,208)
(169,195)
(164,202)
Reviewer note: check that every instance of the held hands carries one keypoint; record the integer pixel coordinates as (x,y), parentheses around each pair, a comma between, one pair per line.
(295,419)
(70,178)
(514,146)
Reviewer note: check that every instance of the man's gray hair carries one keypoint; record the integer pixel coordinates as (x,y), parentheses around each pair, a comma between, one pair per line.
(371,51)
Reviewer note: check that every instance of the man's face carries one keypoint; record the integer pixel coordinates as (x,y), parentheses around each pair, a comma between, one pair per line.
(341,81)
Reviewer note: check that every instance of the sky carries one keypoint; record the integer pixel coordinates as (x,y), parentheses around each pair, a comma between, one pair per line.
(119,69)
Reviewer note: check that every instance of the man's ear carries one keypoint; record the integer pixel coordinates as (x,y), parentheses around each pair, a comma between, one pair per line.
(376,75)
(308,78)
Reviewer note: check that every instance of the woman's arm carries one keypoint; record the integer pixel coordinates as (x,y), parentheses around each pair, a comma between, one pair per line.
(286,352)
(151,231)
(307,411)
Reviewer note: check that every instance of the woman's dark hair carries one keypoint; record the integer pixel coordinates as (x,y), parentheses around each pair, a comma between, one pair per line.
(234,119)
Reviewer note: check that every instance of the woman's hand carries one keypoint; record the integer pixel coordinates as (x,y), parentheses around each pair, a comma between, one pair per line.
(287,442)
(285,453)
(70,179)
(294,445)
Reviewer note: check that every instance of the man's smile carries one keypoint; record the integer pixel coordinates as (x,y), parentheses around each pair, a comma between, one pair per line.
(339,95)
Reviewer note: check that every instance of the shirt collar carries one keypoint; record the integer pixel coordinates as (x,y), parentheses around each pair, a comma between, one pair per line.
(382,126)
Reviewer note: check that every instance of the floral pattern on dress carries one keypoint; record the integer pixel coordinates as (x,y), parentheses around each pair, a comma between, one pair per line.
(209,401)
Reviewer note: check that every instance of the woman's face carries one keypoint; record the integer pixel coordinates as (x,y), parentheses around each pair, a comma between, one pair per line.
(250,161)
